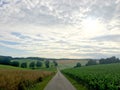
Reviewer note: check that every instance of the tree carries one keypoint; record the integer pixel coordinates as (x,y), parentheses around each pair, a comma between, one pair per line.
(24,65)
(15,63)
(47,63)
(91,62)
(5,60)
(55,63)
(39,64)
(32,65)
(112,59)
(78,65)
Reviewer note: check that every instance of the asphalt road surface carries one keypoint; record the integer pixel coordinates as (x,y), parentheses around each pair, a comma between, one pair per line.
(59,82)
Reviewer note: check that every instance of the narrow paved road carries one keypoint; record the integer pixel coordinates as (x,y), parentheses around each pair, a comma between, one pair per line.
(59,82)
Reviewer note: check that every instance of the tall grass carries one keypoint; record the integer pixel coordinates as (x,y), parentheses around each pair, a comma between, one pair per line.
(21,79)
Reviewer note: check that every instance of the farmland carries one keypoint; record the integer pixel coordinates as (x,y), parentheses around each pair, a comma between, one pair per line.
(25,78)
(21,79)
(63,64)
(97,77)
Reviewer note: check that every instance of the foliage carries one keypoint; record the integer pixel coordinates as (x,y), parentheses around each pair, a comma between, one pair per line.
(91,62)
(32,65)
(39,64)
(112,59)
(97,77)
(47,63)
(5,60)
(15,63)
(24,65)
(55,63)
(78,65)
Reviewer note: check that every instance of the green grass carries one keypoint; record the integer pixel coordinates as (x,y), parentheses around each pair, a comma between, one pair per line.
(41,85)
(97,77)
(48,69)
(12,67)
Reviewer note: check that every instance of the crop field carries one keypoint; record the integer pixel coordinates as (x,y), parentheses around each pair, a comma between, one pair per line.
(21,79)
(63,64)
(97,77)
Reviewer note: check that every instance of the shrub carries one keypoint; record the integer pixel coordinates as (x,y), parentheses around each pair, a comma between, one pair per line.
(32,65)
(24,65)
(39,64)
(47,63)
(78,65)
(91,62)
(15,63)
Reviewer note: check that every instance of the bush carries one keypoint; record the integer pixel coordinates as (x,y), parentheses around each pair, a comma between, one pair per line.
(39,64)
(78,65)
(47,63)
(24,65)
(55,63)
(32,65)
(91,62)
(15,63)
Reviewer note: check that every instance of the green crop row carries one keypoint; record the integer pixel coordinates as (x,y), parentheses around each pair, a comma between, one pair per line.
(98,77)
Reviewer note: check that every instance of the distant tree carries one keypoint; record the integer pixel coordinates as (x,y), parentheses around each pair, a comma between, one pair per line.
(24,65)
(78,65)
(32,65)
(35,58)
(5,60)
(47,63)
(39,64)
(55,63)
(91,62)
(112,59)
(15,63)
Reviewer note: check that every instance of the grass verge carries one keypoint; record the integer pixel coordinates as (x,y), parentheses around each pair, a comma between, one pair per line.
(42,85)
(77,85)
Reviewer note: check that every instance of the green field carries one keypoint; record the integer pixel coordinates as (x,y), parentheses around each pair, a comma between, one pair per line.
(97,77)
(12,67)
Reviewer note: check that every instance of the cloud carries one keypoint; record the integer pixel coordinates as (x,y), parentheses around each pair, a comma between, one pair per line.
(8,42)
(113,38)
(60,28)
(20,35)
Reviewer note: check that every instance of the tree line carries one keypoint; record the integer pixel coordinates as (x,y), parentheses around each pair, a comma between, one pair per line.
(109,60)
(7,60)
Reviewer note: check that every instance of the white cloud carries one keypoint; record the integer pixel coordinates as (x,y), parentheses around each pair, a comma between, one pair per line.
(61,28)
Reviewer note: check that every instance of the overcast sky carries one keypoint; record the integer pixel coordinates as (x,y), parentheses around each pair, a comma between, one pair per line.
(60,28)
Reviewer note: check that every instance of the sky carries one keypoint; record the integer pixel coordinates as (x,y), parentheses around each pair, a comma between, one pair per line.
(60,28)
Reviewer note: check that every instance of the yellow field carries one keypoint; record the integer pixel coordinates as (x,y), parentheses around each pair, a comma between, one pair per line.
(20,79)
(70,63)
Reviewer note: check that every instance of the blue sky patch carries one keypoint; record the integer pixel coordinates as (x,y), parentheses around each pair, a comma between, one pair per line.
(9,42)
